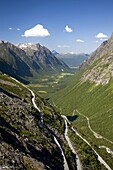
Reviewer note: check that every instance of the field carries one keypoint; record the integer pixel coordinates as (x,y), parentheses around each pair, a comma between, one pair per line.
(48,84)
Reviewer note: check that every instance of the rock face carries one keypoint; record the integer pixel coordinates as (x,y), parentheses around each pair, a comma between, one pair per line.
(26,60)
(100,64)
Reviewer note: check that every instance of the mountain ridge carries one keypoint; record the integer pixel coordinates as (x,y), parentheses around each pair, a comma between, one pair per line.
(100,64)
(43,55)
(72,59)
(28,62)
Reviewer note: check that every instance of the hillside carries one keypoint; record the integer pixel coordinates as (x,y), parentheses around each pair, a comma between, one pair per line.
(27,139)
(100,64)
(105,49)
(29,63)
(87,100)
(14,61)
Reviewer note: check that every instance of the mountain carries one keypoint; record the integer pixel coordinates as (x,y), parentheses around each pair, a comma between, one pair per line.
(104,49)
(100,64)
(14,61)
(72,59)
(43,57)
(28,138)
(94,56)
(87,100)
(26,60)
(55,52)
(33,133)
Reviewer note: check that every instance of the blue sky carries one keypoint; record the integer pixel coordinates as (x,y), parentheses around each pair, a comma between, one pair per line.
(63,25)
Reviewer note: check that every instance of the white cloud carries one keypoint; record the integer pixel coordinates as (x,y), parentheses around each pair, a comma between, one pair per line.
(18,29)
(101,36)
(79,40)
(68,29)
(10,28)
(97,41)
(63,46)
(36,31)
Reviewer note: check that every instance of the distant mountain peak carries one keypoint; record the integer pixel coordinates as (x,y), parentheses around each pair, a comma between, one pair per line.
(72,59)
(55,52)
(33,46)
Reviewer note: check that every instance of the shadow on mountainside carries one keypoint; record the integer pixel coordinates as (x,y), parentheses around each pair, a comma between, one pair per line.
(72,118)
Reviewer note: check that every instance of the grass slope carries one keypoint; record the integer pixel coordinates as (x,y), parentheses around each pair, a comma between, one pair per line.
(94,102)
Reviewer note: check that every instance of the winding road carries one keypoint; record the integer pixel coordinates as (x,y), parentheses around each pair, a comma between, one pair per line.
(94,133)
(79,166)
(34,104)
(99,157)
(108,150)
(55,139)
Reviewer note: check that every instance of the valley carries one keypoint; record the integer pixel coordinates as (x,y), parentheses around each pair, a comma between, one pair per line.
(56,85)
(87,101)
(81,122)
(44,118)
(50,83)
(70,109)
(86,113)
